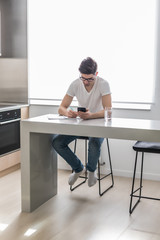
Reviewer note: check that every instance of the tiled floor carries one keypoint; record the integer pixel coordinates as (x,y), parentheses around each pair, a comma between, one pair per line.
(80,214)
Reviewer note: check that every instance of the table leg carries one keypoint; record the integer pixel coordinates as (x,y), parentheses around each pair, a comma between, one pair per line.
(40,182)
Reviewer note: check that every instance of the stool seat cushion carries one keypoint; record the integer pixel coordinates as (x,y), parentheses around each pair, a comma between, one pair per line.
(152,147)
(83,138)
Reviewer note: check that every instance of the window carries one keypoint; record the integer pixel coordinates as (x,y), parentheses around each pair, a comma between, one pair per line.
(119,34)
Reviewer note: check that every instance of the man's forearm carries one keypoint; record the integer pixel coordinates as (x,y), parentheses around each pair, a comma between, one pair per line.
(63,111)
(99,114)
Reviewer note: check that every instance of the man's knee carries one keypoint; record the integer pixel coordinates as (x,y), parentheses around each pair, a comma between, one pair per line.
(95,142)
(55,143)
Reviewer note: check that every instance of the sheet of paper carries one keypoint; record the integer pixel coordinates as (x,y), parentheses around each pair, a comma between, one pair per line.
(55,116)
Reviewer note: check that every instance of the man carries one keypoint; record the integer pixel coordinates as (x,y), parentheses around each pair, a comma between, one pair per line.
(93,93)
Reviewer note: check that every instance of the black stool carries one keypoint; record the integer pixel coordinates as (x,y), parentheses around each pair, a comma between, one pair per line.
(151,147)
(99,173)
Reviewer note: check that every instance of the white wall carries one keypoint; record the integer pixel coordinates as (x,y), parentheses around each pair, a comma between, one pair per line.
(121,151)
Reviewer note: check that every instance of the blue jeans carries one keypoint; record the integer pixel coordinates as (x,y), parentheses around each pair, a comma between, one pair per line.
(60,144)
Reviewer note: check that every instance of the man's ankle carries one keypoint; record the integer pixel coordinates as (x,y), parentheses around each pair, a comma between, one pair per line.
(92,178)
(74,176)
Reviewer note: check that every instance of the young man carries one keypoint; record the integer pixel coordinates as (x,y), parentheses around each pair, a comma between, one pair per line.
(93,93)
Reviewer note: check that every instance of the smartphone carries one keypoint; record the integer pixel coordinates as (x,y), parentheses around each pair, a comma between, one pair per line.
(81,109)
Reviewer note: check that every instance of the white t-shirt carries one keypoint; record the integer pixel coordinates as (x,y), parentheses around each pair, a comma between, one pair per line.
(93,99)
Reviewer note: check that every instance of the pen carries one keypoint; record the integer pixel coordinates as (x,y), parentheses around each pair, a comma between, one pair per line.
(71,108)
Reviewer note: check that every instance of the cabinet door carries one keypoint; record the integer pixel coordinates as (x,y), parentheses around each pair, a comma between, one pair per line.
(24,113)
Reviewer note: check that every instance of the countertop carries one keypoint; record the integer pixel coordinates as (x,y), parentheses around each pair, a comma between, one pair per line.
(118,128)
(12,106)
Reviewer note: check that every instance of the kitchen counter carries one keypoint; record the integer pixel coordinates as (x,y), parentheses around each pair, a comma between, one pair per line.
(12,106)
(11,160)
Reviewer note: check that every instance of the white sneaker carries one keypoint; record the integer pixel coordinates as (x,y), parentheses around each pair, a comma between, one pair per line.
(74,176)
(92,178)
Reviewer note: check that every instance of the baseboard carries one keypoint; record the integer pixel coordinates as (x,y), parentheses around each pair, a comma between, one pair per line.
(147,176)
(121,173)
(10,170)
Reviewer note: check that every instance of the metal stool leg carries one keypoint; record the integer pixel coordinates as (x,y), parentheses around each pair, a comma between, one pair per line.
(110,173)
(132,191)
(85,176)
(109,155)
(131,208)
(141,178)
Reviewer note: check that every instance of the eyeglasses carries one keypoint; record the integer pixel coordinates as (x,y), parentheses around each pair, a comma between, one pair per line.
(87,79)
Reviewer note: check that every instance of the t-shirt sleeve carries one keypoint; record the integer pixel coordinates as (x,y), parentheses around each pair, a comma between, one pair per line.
(105,88)
(70,90)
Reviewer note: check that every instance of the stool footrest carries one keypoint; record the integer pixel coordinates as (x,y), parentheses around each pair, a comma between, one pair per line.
(136,191)
(135,205)
(72,188)
(146,197)
(106,190)
(104,176)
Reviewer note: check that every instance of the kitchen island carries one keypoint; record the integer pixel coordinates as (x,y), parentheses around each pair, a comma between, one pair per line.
(39,160)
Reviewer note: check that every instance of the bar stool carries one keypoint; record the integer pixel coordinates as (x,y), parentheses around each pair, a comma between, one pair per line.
(143,147)
(99,166)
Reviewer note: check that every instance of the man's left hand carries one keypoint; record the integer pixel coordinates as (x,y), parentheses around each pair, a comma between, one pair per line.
(85,115)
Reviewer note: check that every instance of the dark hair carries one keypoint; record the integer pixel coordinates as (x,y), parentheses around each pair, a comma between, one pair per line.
(88,66)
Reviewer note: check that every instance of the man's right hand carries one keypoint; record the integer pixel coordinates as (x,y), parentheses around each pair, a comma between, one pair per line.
(72,114)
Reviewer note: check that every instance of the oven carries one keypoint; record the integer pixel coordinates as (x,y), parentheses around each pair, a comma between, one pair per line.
(9,130)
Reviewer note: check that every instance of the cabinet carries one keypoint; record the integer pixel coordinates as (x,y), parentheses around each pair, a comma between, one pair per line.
(11,162)
(13,15)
